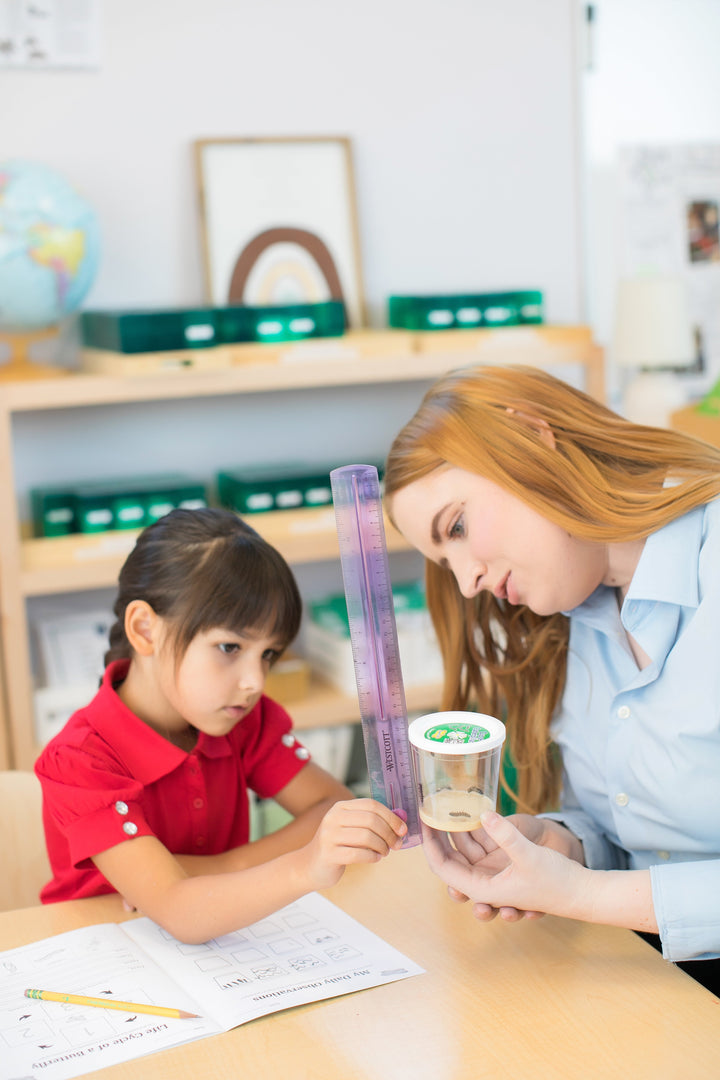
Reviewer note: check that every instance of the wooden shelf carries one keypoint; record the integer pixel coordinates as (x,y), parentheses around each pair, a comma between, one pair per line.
(92,561)
(326,706)
(31,568)
(430,355)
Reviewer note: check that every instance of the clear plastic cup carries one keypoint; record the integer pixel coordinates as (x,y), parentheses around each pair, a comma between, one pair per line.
(456,759)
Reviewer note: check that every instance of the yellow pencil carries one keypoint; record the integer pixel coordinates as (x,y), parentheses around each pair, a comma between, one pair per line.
(109,1003)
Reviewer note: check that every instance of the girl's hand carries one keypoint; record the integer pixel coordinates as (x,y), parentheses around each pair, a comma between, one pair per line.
(503,870)
(353,831)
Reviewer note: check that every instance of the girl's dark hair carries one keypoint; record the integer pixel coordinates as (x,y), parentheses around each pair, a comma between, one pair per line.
(202,569)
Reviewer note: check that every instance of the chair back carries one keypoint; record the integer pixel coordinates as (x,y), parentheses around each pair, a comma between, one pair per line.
(25,864)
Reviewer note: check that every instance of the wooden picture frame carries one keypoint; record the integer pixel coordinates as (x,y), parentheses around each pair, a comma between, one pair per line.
(279,222)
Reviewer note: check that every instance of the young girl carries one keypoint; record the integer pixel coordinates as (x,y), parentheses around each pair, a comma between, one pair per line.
(146,789)
(573,575)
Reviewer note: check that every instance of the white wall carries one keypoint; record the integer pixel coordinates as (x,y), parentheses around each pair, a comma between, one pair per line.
(655,79)
(462,115)
(463,118)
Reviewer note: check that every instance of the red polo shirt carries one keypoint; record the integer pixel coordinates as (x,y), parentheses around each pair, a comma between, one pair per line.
(108,777)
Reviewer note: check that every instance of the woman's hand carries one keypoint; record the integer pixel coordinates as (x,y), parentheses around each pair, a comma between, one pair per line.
(479,847)
(519,867)
(353,831)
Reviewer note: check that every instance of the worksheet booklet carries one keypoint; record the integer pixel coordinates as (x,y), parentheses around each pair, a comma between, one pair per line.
(305,952)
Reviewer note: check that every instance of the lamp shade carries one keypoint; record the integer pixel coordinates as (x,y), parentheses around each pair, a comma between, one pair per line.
(652,323)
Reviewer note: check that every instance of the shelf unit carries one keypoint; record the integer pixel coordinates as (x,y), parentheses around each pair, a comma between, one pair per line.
(31,567)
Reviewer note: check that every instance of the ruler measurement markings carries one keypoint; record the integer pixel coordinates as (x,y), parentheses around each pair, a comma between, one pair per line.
(373,637)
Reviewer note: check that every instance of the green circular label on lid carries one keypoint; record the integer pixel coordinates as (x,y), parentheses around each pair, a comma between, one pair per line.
(457,733)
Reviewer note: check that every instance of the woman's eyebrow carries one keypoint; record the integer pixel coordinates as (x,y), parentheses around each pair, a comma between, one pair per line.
(435,527)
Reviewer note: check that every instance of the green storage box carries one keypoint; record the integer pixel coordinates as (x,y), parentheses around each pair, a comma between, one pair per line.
(465,310)
(317,490)
(246,492)
(94,513)
(149,331)
(196,328)
(134,502)
(128,512)
(254,489)
(117,503)
(277,323)
(53,511)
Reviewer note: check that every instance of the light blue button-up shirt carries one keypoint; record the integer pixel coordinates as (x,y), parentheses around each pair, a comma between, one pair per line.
(641,749)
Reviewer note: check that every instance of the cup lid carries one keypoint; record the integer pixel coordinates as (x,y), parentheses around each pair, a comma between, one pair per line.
(457,733)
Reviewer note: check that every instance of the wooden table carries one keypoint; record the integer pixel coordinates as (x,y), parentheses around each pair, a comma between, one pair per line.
(550,1000)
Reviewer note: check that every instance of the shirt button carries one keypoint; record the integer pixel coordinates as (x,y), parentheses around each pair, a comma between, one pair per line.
(302,753)
(623,712)
(198,803)
(130,828)
(622,799)
(288,740)
(663,854)
(121,807)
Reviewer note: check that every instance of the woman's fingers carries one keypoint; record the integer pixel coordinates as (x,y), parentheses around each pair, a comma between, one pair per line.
(456,895)
(437,848)
(484,912)
(471,845)
(506,835)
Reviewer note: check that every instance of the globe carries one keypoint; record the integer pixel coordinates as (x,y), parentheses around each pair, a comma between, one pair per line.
(49,247)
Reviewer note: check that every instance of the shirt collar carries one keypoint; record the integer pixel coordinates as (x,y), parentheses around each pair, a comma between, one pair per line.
(668,568)
(667,572)
(145,753)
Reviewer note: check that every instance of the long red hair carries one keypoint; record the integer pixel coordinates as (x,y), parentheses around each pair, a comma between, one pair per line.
(605,479)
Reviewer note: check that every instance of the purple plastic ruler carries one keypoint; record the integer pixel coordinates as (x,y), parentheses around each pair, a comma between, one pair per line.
(373,634)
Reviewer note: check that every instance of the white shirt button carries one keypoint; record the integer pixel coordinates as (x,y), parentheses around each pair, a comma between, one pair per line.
(622,799)
(121,807)
(623,712)
(130,828)
(288,739)
(302,753)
